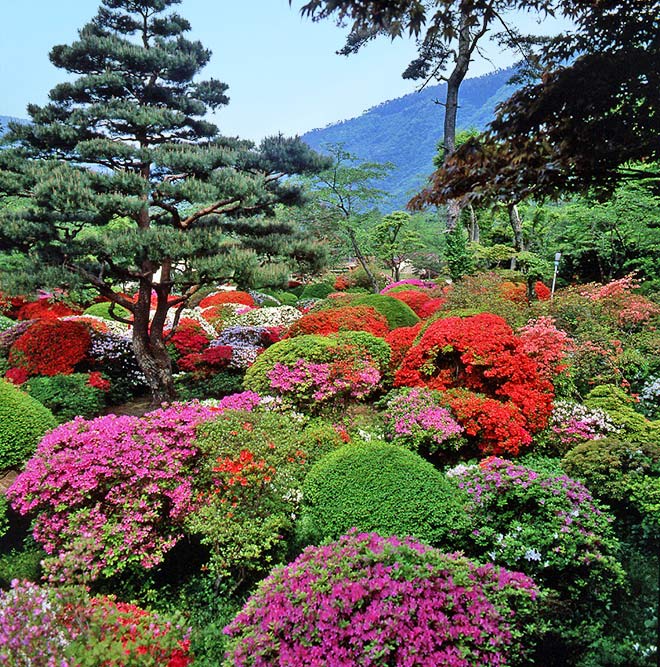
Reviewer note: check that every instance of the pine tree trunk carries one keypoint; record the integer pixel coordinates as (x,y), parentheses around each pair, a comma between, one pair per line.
(149,348)
(474,225)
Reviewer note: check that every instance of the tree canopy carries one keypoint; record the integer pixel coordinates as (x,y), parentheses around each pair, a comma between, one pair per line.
(127,139)
(588,123)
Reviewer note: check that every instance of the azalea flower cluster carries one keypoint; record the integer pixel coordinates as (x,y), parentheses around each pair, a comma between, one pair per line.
(110,491)
(415,418)
(574,423)
(346,318)
(320,381)
(369,600)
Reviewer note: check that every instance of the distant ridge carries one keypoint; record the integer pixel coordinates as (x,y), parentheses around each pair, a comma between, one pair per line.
(406,130)
(5,120)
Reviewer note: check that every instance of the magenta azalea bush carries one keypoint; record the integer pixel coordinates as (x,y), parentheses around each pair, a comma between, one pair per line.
(369,600)
(415,419)
(112,491)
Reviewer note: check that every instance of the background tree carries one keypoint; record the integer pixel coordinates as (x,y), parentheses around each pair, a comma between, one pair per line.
(587,124)
(348,188)
(395,241)
(448,34)
(127,138)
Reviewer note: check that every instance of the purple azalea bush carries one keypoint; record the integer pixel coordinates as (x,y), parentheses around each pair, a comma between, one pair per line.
(369,600)
(550,527)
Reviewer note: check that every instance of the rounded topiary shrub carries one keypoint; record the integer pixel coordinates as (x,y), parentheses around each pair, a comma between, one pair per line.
(103,310)
(23,422)
(397,313)
(317,291)
(382,487)
(311,371)
(371,601)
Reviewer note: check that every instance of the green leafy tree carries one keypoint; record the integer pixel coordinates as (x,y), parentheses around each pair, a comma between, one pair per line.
(448,34)
(395,240)
(127,138)
(587,124)
(348,189)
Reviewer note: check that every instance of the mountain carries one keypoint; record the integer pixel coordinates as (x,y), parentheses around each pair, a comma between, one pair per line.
(4,120)
(405,131)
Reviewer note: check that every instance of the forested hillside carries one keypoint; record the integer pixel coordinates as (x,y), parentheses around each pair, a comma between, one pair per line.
(405,131)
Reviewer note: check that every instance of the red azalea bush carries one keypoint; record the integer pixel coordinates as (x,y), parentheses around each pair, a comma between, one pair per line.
(497,427)
(231,296)
(416,299)
(431,307)
(189,337)
(206,363)
(481,354)
(16,376)
(122,633)
(51,347)
(45,309)
(346,318)
(400,341)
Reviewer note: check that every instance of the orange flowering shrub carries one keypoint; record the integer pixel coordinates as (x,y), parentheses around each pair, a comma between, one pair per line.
(233,296)
(346,318)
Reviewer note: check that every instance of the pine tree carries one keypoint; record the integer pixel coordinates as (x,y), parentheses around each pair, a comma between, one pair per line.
(126,140)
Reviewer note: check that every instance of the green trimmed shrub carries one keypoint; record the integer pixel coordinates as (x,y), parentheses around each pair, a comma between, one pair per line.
(619,406)
(285,298)
(377,486)
(317,291)
(353,345)
(607,466)
(23,564)
(6,322)
(23,422)
(67,396)
(103,310)
(398,314)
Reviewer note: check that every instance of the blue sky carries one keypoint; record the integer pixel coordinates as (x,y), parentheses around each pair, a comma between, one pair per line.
(282,69)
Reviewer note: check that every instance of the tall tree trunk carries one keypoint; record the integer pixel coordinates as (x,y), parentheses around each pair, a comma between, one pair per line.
(454,82)
(363,262)
(516,227)
(474,225)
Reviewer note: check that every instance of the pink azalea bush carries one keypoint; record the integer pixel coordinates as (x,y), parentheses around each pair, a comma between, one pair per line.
(415,419)
(112,491)
(369,600)
(324,381)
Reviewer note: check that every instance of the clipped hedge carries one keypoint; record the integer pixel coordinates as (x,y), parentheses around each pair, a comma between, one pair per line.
(67,396)
(397,313)
(23,422)
(377,486)
(103,310)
